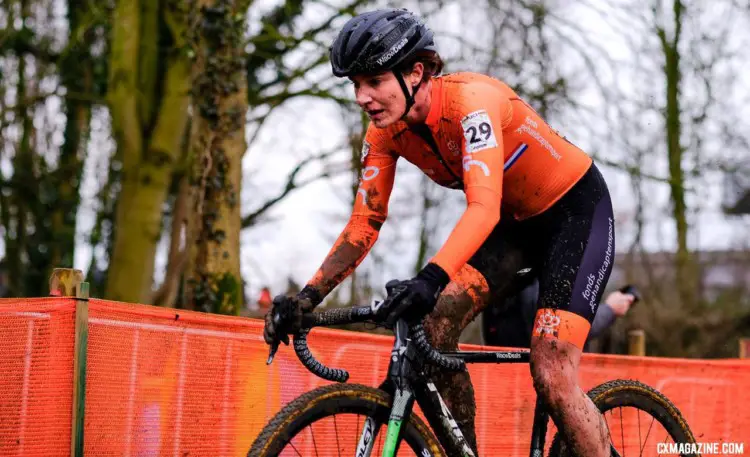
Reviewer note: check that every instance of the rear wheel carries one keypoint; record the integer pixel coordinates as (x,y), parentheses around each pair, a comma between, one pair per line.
(638,417)
(330,420)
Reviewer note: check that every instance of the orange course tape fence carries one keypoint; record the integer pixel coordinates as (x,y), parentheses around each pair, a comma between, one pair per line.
(36,376)
(179,383)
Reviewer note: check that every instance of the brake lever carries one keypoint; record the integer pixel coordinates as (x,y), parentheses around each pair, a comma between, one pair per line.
(272,352)
(395,291)
(275,345)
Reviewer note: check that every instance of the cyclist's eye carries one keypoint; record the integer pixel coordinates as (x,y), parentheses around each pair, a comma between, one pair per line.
(374,82)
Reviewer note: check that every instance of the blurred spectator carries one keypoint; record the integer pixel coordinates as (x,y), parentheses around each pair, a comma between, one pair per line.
(510,324)
(264,301)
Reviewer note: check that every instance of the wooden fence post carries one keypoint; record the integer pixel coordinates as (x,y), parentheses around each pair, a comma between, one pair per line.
(64,282)
(637,342)
(745,348)
(67,282)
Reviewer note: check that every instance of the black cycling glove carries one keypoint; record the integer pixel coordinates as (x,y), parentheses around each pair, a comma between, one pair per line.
(285,316)
(414,298)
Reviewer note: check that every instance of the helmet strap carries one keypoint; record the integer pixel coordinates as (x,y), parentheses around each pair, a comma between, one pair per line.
(409,96)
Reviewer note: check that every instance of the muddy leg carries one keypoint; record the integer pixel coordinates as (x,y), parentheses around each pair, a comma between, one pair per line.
(554,367)
(459,304)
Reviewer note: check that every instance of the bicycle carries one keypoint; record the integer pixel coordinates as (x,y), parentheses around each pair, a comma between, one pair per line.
(408,382)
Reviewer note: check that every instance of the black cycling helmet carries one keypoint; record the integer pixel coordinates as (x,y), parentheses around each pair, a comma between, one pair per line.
(378,41)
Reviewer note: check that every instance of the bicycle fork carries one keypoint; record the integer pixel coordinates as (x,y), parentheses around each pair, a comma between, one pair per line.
(402,404)
(399,371)
(539,429)
(366,442)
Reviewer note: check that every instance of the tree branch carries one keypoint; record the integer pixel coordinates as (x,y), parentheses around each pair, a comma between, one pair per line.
(290,186)
(166,295)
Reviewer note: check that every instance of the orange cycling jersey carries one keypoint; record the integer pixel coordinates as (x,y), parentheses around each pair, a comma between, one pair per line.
(479,136)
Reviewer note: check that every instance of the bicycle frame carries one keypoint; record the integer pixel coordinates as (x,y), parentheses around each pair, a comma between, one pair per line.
(408,382)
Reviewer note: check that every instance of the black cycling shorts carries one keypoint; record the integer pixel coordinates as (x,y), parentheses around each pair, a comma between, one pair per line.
(569,248)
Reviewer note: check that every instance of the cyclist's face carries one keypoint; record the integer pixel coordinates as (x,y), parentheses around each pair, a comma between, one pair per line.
(380,96)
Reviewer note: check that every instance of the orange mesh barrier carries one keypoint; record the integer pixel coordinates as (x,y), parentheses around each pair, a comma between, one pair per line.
(199,384)
(175,383)
(36,376)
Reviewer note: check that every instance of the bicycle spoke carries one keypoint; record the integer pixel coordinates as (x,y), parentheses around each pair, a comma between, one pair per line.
(609,431)
(620,414)
(315,446)
(295,449)
(622,433)
(648,433)
(336,430)
(640,453)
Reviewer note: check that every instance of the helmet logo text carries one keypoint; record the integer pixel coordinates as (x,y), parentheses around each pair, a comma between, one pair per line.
(389,55)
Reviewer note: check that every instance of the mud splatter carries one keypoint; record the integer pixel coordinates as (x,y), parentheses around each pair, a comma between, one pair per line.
(554,369)
(347,253)
(376,225)
(463,299)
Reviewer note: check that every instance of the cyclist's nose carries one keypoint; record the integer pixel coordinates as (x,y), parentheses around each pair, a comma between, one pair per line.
(363,97)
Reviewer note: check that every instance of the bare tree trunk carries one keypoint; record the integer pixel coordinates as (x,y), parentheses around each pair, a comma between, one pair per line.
(686,279)
(149,132)
(217,144)
(177,258)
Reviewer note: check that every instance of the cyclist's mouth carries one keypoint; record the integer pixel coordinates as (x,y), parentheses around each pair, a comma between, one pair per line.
(374,113)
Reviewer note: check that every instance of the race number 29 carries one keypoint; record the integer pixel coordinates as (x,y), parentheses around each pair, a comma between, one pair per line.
(478,131)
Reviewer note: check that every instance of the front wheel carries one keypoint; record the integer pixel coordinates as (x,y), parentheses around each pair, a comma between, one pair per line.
(641,420)
(338,420)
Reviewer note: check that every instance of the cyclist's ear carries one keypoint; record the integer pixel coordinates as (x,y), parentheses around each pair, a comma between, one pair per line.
(416,74)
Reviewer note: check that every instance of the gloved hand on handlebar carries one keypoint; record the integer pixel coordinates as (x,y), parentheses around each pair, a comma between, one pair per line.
(414,298)
(285,316)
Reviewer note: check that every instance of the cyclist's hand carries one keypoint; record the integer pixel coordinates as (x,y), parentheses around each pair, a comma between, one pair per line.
(619,302)
(285,316)
(414,298)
